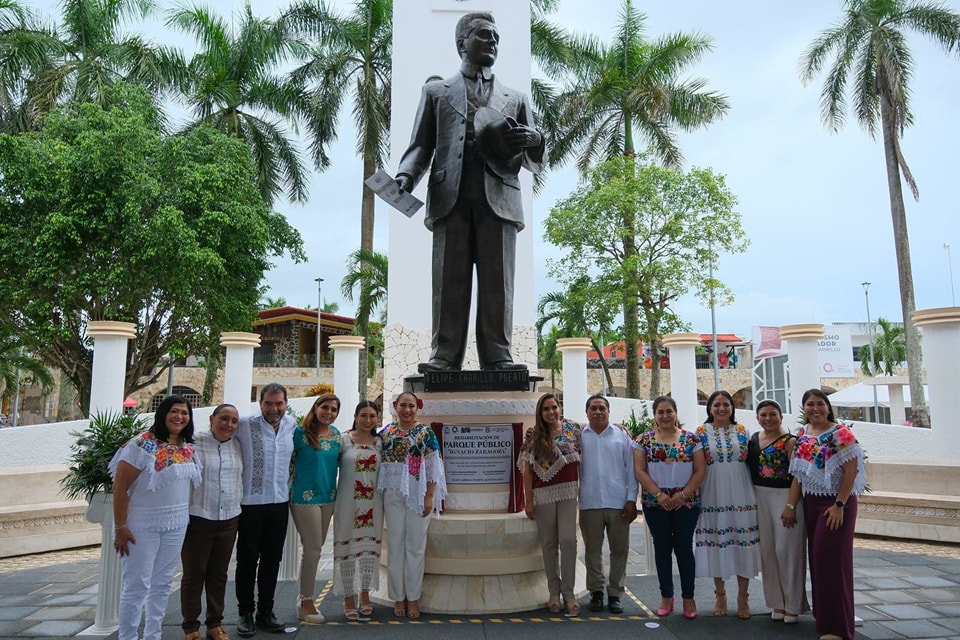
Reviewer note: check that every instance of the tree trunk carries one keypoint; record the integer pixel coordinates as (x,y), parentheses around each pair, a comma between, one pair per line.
(605,369)
(901,241)
(654,365)
(210,375)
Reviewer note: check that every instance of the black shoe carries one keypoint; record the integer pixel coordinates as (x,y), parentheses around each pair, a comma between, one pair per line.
(269,622)
(435,365)
(245,626)
(505,365)
(596,601)
(615,605)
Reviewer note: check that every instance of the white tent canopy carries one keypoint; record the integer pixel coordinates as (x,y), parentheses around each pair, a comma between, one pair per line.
(861,395)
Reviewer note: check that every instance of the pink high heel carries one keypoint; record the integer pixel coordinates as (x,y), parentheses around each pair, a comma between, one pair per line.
(665,611)
(692,613)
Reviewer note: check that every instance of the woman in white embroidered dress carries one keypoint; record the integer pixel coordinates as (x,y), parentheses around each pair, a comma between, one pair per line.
(358,513)
(152,474)
(413,485)
(727,536)
(550,460)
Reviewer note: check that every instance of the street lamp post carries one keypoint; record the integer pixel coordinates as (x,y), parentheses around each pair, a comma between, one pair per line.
(953,292)
(873,362)
(713,330)
(319,307)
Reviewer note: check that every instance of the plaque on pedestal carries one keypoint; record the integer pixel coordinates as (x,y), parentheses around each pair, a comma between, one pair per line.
(447,381)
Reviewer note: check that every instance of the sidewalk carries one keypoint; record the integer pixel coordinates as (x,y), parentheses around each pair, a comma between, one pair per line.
(904,590)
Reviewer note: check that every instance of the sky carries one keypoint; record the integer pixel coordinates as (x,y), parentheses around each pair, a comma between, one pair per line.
(813,203)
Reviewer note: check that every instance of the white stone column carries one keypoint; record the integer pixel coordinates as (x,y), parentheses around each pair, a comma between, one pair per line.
(110,341)
(238,367)
(941,344)
(683,374)
(346,374)
(575,392)
(804,357)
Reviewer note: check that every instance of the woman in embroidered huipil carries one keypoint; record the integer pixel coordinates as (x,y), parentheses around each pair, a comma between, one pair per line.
(413,485)
(827,467)
(670,467)
(783,559)
(152,475)
(550,461)
(727,536)
(313,490)
(358,514)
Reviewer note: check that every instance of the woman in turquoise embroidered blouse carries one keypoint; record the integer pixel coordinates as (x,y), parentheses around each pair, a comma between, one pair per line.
(313,491)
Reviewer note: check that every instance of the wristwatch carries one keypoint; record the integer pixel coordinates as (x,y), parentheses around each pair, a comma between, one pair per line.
(839,503)
(792,507)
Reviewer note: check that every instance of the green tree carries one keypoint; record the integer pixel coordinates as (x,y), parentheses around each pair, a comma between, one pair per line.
(354,59)
(872,62)
(366,281)
(79,59)
(235,85)
(19,367)
(548,355)
(681,221)
(889,350)
(585,309)
(266,302)
(623,91)
(103,217)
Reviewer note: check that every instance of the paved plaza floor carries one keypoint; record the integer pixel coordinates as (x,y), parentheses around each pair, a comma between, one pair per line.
(903,590)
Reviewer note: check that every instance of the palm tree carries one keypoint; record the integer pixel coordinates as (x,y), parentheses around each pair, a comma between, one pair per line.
(354,59)
(625,90)
(889,350)
(234,84)
(266,302)
(367,272)
(17,367)
(79,59)
(582,310)
(870,53)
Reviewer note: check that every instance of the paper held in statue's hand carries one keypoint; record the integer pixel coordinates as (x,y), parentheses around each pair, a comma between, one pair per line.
(386,187)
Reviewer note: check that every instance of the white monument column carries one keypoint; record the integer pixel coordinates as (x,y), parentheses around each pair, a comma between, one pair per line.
(803,354)
(110,342)
(346,374)
(238,367)
(683,374)
(941,344)
(424,45)
(575,393)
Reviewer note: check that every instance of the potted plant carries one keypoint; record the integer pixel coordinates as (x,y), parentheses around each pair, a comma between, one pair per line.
(88,475)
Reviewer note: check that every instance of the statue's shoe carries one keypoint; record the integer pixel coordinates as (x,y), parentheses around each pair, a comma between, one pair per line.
(435,365)
(505,365)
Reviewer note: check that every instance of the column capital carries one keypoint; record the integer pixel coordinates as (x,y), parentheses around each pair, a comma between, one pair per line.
(942,315)
(796,331)
(239,339)
(574,344)
(347,342)
(681,340)
(104,328)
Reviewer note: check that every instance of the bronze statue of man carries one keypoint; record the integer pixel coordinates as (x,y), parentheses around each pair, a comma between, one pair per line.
(478,134)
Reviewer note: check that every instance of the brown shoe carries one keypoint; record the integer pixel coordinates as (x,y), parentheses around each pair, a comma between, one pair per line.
(193,635)
(217,633)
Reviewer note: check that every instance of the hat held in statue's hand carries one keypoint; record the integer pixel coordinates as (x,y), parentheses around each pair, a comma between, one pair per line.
(489,127)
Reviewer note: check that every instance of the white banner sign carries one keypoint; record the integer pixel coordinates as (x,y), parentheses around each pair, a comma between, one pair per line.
(836,352)
(478,454)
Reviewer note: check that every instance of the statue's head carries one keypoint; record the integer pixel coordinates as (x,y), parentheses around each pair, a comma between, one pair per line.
(478,39)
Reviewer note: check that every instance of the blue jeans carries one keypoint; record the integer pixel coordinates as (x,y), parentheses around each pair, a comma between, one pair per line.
(672,532)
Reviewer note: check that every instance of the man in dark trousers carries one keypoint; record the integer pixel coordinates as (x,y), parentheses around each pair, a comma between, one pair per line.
(266,444)
(478,134)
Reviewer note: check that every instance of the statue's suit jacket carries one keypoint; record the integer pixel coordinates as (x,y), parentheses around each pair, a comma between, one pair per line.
(439,131)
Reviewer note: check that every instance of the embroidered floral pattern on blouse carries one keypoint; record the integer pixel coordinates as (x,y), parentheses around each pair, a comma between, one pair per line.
(724,442)
(817,450)
(773,462)
(408,446)
(681,451)
(164,453)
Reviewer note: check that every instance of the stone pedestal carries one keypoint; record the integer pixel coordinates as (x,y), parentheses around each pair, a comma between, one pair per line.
(346,374)
(683,374)
(238,367)
(575,392)
(894,385)
(941,344)
(479,558)
(804,359)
